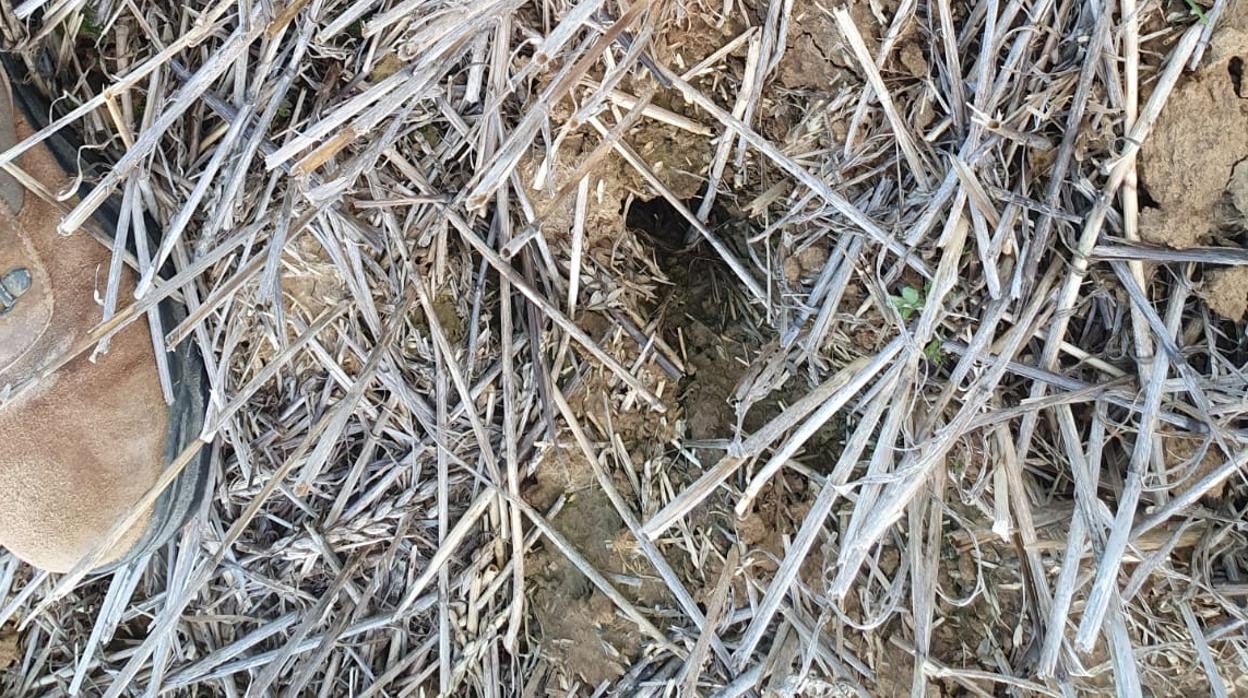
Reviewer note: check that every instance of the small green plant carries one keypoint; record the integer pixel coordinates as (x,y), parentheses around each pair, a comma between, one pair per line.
(91,24)
(932,350)
(910,301)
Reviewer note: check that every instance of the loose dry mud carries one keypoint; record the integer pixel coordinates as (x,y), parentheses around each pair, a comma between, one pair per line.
(1188,164)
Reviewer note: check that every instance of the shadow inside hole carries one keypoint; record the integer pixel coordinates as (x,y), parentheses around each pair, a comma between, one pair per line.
(665,226)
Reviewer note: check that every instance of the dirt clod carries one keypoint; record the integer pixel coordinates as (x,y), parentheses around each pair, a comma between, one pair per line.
(1226,292)
(912,59)
(1180,228)
(1192,460)
(1238,187)
(8,647)
(816,57)
(1202,133)
(808,261)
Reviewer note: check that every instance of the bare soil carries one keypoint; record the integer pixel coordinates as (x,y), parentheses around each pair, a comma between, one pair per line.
(580,630)
(1200,137)
(1226,292)
(8,647)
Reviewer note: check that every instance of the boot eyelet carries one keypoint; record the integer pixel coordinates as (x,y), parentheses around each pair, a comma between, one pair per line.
(13,284)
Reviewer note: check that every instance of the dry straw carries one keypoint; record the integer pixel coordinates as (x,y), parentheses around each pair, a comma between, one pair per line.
(397,227)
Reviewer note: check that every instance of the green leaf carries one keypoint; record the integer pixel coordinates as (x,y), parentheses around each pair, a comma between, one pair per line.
(90,24)
(910,295)
(900,304)
(932,350)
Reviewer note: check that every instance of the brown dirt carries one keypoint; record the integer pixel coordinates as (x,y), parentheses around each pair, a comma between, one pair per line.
(310,281)
(1200,136)
(1226,292)
(581,632)
(805,263)
(603,218)
(1187,464)
(1180,229)
(1238,188)
(715,361)
(913,61)
(8,647)
(678,158)
(815,57)
(693,38)
(778,514)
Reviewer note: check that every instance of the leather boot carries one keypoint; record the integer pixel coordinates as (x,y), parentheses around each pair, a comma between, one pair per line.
(79,449)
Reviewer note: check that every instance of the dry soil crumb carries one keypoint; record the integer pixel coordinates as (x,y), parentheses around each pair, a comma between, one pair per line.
(678,158)
(1199,138)
(815,57)
(543,180)
(1226,292)
(807,261)
(8,647)
(913,61)
(1180,228)
(1181,458)
(1238,187)
(1197,141)
(694,37)
(310,280)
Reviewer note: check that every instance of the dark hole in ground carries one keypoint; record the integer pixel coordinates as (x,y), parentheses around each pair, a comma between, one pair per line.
(665,226)
(660,221)
(709,315)
(703,287)
(1236,69)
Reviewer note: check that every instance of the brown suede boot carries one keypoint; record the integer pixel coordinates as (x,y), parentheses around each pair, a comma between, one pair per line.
(79,450)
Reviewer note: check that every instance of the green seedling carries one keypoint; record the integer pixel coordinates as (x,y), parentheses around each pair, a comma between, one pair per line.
(91,25)
(910,301)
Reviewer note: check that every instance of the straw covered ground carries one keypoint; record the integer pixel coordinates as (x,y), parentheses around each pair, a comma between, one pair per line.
(755,347)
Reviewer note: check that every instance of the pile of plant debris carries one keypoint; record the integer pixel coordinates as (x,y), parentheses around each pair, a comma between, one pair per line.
(748,348)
